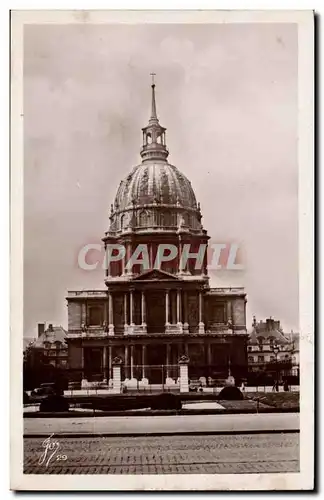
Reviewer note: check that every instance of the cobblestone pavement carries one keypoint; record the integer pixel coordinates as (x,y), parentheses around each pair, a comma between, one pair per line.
(221,454)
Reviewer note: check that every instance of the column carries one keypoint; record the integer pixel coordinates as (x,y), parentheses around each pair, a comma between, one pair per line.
(180,256)
(83,313)
(108,264)
(105,314)
(173,310)
(110,314)
(143,360)
(167,307)
(82,362)
(229,315)
(201,326)
(132,363)
(123,266)
(151,256)
(168,360)
(179,308)
(205,262)
(110,362)
(185,312)
(104,362)
(126,312)
(131,307)
(126,362)
(143,309)
(186,349)
(128,256)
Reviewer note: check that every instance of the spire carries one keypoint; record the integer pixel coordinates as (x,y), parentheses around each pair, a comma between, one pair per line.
(154,147)
(154,117)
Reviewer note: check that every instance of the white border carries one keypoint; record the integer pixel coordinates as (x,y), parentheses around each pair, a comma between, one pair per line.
(302,480)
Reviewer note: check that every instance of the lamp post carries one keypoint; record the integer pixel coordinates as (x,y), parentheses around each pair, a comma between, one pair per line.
(275,350)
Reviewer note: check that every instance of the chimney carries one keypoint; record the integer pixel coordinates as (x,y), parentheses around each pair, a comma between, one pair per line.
(41,329)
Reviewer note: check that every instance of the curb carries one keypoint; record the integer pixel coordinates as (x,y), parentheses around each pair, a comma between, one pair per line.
(153,413)
(160,434)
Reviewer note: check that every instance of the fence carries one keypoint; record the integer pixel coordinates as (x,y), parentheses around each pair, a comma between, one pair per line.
(151,377)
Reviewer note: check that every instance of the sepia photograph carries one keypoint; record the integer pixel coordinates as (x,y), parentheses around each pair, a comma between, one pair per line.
(162,322)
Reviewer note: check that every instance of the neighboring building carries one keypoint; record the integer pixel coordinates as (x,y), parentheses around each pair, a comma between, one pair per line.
(268,346)
(50,348)
(151,316)
(27,341)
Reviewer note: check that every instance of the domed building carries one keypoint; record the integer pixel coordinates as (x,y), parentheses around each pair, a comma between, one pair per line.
(157,305)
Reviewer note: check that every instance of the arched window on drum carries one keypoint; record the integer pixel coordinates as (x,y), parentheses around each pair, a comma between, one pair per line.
(167,218)
(143,218)
(122,222)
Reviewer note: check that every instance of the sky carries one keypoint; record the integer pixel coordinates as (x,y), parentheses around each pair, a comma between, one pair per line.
(227,94)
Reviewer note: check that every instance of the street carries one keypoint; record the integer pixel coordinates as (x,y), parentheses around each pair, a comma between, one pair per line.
(208,454)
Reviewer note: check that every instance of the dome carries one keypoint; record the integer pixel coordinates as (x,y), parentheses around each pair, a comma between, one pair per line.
(155,195)
(152,183)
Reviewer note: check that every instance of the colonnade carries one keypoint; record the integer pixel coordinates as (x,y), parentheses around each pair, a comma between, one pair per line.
(176,313)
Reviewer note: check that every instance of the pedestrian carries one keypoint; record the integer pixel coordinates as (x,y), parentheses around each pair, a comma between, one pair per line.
(242,386)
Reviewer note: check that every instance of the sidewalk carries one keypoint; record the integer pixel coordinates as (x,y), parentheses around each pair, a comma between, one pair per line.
(163,425)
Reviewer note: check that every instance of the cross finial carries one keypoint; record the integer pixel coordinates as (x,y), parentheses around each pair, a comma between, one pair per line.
(153,75)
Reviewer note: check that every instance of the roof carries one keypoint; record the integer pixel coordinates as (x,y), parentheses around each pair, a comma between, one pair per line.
(56,334)
(267,330)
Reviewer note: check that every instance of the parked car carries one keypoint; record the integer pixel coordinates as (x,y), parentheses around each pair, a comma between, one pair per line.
(41,393)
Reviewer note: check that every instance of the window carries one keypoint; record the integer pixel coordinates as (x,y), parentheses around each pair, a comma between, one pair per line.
(58,344)
(250,359)
(167,219)
(249,348)
(95,315)
(260,359)
(47,345)
(143,218)
(219,316)
(122,222)
(272,358)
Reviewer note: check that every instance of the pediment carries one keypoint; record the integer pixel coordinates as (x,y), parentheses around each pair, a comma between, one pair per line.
(156,275)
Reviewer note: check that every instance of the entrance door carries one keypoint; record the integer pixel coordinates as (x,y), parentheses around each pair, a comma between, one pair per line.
(155,316)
